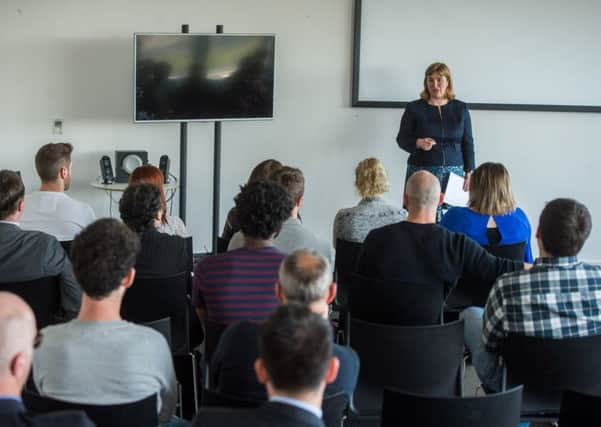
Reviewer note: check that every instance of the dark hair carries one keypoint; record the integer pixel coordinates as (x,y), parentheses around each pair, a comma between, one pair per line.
(262,206)
(292,180)
(296,347)
(102,255)
(264,169)
(564,226)
(139,206)
(11,191)
(50,158)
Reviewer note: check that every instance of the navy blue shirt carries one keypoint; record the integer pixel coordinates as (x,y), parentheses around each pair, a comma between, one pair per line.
(451,128)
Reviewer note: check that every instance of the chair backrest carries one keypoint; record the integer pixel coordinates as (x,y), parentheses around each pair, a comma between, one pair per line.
(213,332)
(345,264)
(43,296)
(142,413)
(578,409)
(401,408)
(162,326)
(421,359)
(471,291)
(335,408)
(66,244)
(153,298)
(547,367)
(395,302)
(215,398)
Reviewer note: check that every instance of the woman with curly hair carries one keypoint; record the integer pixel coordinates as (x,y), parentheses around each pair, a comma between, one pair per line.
(353,224)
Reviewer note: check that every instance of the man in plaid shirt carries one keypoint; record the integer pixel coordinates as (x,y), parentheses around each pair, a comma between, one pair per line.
(559,297)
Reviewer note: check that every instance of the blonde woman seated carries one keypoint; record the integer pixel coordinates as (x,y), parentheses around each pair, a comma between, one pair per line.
(492,217)
(353,224)
(150,174)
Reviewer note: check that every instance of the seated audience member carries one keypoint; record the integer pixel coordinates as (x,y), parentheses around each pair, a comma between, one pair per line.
(160,254)
(419,250)
(29,255)
(293,235)
(372,211)
(50,210)
(238,285)
(17,340)
(492,217)
(262,171)
(99,358)
(557,298)
(305,278)
(152,175)
(295,363)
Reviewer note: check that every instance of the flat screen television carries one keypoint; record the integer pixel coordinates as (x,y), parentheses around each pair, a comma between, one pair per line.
(203,77)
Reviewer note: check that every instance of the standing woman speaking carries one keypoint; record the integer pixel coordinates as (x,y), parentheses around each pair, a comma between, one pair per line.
(437,130)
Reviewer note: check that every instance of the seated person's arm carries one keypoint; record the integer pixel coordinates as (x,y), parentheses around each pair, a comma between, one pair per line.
(166,375)
(492,330)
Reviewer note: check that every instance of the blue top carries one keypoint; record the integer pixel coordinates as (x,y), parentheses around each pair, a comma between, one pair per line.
(451,128)
(514,227)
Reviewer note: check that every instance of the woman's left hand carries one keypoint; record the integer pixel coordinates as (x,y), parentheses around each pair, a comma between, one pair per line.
(466,181)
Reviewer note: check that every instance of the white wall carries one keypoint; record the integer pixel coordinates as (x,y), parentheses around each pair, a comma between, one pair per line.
(72,59)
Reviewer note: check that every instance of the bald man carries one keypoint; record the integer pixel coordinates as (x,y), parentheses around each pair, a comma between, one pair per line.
(420,251)
(17,337)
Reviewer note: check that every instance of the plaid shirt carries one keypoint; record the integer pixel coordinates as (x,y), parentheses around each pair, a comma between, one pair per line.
(557,298)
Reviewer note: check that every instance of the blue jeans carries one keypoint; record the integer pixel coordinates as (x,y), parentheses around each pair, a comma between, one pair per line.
(486,363)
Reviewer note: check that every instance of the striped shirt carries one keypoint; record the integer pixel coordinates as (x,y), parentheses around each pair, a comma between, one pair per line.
(237,285)
(557,298)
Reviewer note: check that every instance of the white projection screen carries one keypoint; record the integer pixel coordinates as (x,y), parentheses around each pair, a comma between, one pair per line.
(538,55)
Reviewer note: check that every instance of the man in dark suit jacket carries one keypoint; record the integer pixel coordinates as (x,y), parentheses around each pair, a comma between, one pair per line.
(295,364)
(28,255)
(305,278)
(17,339)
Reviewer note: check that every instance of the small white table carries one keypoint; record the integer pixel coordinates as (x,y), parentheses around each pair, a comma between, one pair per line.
(109,189)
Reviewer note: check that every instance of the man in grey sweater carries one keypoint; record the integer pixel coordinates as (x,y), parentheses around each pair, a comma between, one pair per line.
(99,358)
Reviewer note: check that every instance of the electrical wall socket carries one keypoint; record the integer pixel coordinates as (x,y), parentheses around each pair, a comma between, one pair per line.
(57,128)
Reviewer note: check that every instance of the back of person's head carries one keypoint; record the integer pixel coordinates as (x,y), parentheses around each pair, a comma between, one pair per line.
(102,255)
(292,180)
(295,346)
(304,277)
(12,192)
(371,178)
(51,158)
(150,174)
(264,170)
(17,335)
(422,191)
(490,190)
(564,226)
(262,207)
(140,205)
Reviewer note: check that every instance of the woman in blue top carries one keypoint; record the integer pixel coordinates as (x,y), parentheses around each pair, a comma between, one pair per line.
(492,217)
(437,130)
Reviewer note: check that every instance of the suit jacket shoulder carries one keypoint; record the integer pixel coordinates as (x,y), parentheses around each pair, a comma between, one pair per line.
(12,414)
(270,414)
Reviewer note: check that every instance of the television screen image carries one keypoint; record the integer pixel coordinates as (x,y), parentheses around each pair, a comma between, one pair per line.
(203,77)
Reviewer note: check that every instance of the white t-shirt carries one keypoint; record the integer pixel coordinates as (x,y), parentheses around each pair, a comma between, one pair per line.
(55,213)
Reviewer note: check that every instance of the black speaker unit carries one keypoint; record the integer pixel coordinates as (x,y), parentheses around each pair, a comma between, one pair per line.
(126,162)
(164,166)
(106,170)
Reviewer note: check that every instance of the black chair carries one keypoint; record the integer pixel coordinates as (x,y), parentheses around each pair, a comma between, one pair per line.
(345,264)
(43,296)
(162,326)
(578,409)
(142,413)
(213,332)
(400,408)
(394,302)
(334,407)
(66,244)
(153,298)
(187,375)
(420,359)
(471,291)
(547,367)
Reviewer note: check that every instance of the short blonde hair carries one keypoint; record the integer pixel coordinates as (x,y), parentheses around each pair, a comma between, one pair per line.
(443,70)
(490,190)
(371,178)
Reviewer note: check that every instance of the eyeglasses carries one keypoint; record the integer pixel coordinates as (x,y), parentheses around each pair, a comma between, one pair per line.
(37,341)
